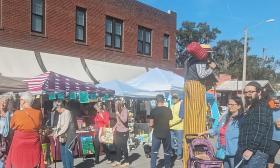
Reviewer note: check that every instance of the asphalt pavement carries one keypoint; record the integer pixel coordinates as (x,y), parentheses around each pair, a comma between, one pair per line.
(136,156)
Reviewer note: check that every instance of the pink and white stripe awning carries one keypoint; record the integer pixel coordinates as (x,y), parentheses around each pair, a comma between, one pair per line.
(55,82)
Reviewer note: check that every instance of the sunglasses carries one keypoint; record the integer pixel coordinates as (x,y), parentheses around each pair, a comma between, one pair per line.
(251,91)
(232,104)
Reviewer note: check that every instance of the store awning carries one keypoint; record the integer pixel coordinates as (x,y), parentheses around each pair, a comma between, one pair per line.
(18,63)
(23,64)
(104,71)
(9,84)
(68,66)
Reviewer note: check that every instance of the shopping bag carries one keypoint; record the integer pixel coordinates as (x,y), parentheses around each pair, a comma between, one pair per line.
(87,145)
(107,136)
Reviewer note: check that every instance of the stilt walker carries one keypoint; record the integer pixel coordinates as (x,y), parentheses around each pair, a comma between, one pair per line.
(198,69)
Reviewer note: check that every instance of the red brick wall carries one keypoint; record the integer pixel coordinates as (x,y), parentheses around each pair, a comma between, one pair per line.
(60,30)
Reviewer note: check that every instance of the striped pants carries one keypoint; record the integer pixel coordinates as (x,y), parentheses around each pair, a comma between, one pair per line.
(195,112)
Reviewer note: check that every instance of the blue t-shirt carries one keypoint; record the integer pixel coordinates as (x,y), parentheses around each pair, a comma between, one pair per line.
(276,131)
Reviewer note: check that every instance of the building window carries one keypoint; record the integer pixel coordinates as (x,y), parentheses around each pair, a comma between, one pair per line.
(113,32)
(80,24)
(37,16)
(144,41)
(165,46)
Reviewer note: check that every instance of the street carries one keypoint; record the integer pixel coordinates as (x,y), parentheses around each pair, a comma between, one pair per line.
(137,157)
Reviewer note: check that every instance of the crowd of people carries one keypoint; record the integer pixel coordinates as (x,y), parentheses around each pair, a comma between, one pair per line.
(21,132)
(247,136)
(248,133)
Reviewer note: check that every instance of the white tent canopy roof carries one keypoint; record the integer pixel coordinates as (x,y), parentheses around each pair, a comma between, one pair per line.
(158,80)
(123,89)
(18,63)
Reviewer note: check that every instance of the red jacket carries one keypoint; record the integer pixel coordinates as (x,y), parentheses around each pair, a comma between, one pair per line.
(102,119)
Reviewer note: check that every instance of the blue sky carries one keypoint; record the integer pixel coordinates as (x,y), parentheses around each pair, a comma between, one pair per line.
(231,17)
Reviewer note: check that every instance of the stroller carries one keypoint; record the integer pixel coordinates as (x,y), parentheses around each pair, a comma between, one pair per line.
(201,153)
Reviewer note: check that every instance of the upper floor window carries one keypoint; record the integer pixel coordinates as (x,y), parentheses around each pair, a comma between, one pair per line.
(144,41)
(113,32)
(37,16)
(165,46)
(80,34)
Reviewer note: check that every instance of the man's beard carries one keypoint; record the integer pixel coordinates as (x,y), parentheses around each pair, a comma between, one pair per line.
(251,101)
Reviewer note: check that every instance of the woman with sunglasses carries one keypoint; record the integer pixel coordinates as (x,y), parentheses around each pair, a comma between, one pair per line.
(227,132)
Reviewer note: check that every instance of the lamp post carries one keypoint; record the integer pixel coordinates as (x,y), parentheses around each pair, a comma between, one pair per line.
(244,70)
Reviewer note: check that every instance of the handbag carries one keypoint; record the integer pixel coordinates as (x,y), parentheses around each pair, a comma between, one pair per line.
(107,136)
(62,138)
(220,154)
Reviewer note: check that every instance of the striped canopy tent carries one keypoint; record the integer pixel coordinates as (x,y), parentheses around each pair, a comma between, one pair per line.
(54,82)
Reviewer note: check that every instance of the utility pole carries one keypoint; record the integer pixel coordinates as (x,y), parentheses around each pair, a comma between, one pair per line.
(244,62)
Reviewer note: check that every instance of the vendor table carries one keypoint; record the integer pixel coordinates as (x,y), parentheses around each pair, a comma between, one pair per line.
(77,148)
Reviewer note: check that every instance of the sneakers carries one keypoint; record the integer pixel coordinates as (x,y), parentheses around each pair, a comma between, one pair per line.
(115,164)
(179,158)
(109,162)
(126,164)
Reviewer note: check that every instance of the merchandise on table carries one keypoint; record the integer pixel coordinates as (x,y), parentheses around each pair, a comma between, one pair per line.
(87,145)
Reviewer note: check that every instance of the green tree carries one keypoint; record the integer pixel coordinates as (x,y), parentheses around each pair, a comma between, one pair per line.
(228,55)
(259,68)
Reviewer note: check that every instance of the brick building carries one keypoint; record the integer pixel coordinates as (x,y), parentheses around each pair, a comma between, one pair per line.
(117,33)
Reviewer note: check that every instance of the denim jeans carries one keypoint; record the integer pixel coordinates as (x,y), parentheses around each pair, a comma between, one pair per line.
(177,142)
(258,160)
(1,164)
(156,142)
(229,162)
(66,156)
(121,145)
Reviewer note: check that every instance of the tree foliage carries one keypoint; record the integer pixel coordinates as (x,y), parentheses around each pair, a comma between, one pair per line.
(228,53)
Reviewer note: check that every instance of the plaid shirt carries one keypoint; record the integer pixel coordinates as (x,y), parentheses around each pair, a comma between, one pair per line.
(256,129)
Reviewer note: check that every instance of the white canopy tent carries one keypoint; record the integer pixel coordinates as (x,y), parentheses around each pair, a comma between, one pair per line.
(125,90)
(158,80)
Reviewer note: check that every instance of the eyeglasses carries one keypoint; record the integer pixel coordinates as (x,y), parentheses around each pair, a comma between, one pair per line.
(251,91)
(232,104)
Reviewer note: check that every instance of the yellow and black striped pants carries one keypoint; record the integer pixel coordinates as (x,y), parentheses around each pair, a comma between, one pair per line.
(195,111)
